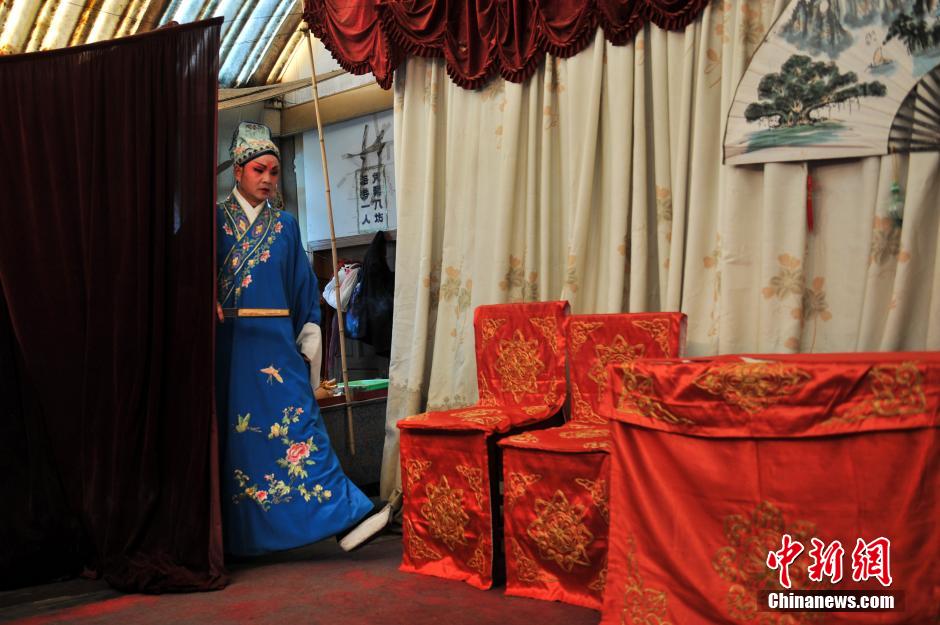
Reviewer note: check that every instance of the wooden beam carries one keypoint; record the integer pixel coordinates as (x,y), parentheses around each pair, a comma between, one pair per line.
(352,240)
(338,107)
(231,98)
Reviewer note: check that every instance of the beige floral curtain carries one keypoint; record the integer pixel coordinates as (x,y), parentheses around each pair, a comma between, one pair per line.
(600,181)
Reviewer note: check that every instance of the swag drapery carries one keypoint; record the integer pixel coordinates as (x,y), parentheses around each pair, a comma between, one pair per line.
(600,181)
(107,428)
(480,39)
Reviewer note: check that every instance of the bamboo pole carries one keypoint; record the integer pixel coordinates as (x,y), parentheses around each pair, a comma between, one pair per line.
(350,434)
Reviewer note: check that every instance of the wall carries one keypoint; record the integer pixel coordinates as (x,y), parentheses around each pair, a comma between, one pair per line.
(344,142)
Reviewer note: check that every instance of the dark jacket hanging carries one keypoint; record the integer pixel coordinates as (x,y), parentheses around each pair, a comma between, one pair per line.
(369,315)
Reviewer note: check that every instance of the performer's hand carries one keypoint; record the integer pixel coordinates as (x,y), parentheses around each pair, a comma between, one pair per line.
(326,389)
(219,313)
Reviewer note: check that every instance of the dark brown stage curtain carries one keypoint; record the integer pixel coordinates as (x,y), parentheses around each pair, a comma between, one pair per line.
(107,427)
(480,38)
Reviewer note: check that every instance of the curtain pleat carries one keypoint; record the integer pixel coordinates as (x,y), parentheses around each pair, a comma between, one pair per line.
(106,337)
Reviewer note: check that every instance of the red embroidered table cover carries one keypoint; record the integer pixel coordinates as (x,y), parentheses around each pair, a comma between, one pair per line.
(556,480)
(713,462)
(448,459)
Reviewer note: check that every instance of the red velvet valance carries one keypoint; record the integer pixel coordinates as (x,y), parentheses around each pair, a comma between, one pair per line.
(480,38)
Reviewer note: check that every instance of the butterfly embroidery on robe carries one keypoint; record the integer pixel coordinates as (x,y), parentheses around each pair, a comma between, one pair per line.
(273,374)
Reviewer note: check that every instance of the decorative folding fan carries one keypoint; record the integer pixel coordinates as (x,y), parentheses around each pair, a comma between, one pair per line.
(837,79)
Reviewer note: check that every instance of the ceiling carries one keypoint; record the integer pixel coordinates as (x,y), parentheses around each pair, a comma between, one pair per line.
(258,36)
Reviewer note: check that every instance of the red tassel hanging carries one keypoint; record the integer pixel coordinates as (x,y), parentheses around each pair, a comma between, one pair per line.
(809,201)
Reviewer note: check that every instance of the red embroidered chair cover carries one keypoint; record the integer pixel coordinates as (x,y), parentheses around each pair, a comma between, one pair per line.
(714,461)
(556,480)
(450,469)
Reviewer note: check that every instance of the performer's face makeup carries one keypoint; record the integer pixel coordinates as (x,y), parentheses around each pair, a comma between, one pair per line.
(257,179)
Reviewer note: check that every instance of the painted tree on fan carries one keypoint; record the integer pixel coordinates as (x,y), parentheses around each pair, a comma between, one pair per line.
(789,98)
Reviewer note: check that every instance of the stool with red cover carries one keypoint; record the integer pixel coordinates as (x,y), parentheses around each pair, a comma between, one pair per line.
(557,480)
(449,461)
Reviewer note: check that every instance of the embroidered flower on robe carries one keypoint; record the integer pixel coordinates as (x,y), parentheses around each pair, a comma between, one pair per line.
(298,452)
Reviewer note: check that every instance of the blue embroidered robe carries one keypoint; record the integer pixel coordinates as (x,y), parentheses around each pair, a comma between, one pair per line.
(282,484)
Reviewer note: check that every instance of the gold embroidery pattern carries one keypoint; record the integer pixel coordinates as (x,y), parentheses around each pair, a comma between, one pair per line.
(549,329)
(532,410)
(658,329)
(898,390)
(474,478)
(527,569)
(481,416)
(559,532)
(597,445)
(636,398)
(417,548)
(477,561)
(618,352)
(481,420)
(415,469)
(444,513)
(518,483)
(518,364)
(552,397)
(490,328)
(743,563)
(600,582)
(476,412)
(580,331)
(582,413)
(525,437)
(487,397)
(592,433)
(598,490)
(752,386)
(417,417)
(641,605)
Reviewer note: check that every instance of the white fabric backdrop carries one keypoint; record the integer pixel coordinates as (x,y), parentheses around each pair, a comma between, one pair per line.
(600,181)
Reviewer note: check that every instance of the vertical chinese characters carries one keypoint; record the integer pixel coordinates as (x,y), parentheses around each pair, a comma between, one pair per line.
(372,188)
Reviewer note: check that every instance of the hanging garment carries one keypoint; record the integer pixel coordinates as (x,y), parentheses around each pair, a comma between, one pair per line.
(282,485)
(369,316)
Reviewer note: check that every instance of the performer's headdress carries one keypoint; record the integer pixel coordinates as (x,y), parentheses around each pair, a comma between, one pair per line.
(250,141)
